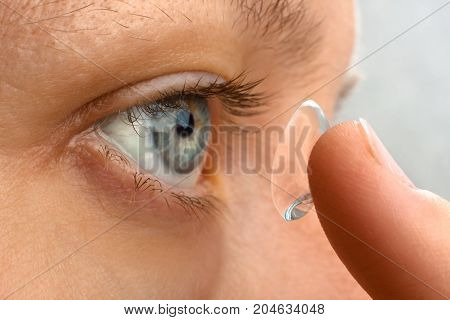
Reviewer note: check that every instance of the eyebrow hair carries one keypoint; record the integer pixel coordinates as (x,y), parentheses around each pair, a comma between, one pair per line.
(290,23)
(287,26)
(272,16)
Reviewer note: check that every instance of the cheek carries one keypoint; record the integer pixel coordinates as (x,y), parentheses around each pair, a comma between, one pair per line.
(151,264)
(156,247)
(122,250)
(117,255)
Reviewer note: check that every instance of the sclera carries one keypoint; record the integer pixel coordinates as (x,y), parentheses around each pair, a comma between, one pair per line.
(290,189)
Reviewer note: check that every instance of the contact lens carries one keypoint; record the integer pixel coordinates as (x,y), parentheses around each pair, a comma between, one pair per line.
(290,188)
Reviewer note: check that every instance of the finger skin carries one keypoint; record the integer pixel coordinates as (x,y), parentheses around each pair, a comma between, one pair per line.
(392,237)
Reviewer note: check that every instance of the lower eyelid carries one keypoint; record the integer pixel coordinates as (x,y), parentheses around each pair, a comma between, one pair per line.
(111,174)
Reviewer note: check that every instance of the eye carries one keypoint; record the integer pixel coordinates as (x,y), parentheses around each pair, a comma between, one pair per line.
(166,138)
(162,131)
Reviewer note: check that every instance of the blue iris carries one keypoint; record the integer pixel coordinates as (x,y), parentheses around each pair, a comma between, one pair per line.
(179,136)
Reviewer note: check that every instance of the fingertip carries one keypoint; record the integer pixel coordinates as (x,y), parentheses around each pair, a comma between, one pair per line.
(376,222)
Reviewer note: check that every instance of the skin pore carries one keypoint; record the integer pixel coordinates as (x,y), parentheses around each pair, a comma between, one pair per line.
(74,226)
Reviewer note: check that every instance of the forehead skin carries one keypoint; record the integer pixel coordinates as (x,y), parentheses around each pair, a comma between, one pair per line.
(58,55)
(62,54)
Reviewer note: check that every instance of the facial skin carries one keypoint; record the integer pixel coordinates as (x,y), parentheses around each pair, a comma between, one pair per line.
(75,228)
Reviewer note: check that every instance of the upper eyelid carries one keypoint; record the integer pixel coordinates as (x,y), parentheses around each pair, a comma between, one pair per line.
(240,97)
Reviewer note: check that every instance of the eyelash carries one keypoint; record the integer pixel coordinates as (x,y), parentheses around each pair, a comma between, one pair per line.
(194,205)
(237,95)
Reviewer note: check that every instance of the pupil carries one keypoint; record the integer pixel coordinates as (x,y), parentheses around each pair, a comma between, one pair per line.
(185,124)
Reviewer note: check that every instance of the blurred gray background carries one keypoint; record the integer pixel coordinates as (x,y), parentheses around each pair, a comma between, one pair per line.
(404,90)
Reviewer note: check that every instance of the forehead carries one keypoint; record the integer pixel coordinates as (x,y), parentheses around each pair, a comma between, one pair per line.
(286,27)
(65,11)
(282,24)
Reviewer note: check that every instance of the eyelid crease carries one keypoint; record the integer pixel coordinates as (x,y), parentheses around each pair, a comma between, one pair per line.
(238,96)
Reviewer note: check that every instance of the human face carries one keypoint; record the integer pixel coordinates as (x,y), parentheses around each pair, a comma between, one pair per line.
(75,221)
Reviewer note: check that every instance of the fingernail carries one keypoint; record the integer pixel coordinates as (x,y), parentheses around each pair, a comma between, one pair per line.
(379,152)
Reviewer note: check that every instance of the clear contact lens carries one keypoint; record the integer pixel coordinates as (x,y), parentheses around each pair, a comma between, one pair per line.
(290,189)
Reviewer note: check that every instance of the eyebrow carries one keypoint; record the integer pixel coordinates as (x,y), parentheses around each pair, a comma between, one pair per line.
(271,17)
(288,24)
